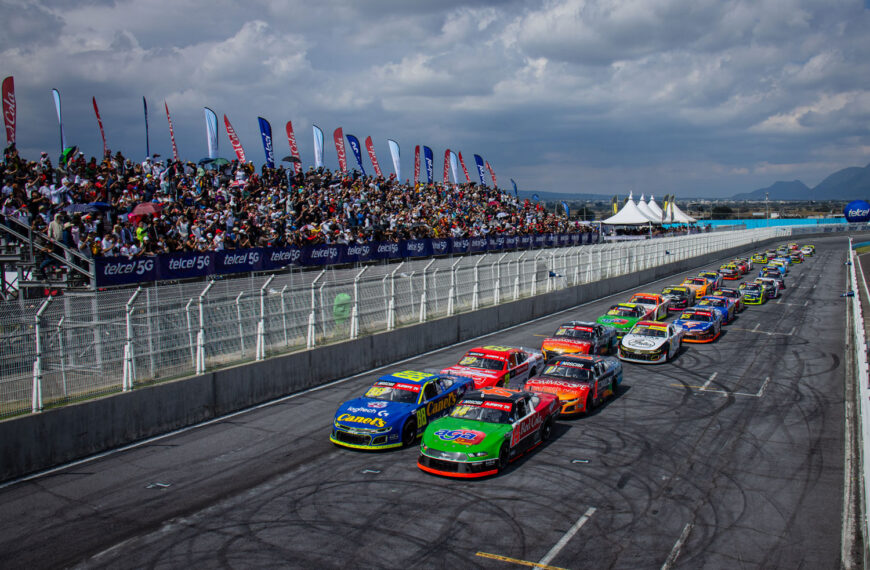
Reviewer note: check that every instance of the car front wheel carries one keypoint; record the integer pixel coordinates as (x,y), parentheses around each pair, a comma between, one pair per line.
(504,456)
(409,433)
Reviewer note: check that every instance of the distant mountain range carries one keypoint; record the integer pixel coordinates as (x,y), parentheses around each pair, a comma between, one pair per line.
(847,184)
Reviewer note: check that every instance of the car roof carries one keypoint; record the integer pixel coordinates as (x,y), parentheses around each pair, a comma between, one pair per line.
(493,350)
(577,358)
(411,377)
(580,324)
(496,394)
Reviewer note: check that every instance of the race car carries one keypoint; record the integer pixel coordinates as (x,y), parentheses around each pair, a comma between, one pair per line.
(759,258)
(622,317)
(487,430)
(727,307)
(713,277)
(701,285)
(782,251)
(754,293)
(796,257)
(396,409)
(744,263)
(730,272)
(808,249)
(580,382)
(657,305)
(792,246)
(774,289)
(774,272)
(498,365)
(700,324)
(580,337)
(780,263)
(651,342)
(733,294)
(680,297)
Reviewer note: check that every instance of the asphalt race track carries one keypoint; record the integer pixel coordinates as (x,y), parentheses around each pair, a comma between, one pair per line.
(731,456)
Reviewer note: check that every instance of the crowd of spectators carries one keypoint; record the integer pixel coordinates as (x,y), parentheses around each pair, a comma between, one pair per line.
(96,206)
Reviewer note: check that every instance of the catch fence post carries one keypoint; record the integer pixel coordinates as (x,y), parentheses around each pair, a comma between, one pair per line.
(129,360)
(200,336)
(261,325)
(36,396)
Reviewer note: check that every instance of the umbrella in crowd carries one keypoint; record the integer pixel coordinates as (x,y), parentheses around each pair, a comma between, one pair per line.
(290,159)
(81,209)
(147,208)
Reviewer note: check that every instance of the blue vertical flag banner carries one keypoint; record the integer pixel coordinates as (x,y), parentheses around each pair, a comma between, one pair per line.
(567,210)
(266,133)
(357,152)
(211,132)
(147,141)
(56,95)
(318,147)
(535,197)
(430,163)
(396,156)
(454,167)
(478,160)
(516,192)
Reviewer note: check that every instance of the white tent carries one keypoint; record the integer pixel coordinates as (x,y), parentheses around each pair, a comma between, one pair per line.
(677,216)
(654,208)
(644,209)
(629,215)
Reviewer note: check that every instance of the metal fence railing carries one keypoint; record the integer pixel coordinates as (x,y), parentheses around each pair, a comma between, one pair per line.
(81,345)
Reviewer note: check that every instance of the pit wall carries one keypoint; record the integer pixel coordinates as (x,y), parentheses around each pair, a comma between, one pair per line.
(40,441)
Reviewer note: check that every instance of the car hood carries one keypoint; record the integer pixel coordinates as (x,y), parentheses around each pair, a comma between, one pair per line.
(473,373)
(618,322)
(643,342)
(566,345)
(457,435)
(550,385)
(693,325)
(368,413)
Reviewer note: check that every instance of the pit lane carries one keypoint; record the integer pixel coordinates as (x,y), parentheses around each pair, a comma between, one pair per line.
(731,455)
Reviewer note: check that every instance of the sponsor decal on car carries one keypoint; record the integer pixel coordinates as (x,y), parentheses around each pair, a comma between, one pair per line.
(463,436)
(377,404)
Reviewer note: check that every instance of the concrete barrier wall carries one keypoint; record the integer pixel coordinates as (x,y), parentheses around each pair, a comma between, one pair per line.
(39,441)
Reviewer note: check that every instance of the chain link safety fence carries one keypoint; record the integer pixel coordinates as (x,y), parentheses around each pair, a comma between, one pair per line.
(81,345)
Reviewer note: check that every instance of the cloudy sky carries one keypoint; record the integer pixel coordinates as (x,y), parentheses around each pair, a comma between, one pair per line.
(698,97)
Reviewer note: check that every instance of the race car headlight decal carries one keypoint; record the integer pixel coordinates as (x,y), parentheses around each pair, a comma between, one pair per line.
(424,447)
(573,401)
(478,454)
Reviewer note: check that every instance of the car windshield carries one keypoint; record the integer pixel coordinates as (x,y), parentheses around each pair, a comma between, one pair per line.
(472,360)
(752,287)
(703,317)
(581,333)
(619,311)
(492,412)
(650,330)
(394,392)
(644,300)
(725,293)
(713,302)
(674,292)
(697,281)
(573,371)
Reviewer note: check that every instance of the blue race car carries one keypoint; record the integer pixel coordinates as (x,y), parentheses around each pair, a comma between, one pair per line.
(726,307)
(700,324)
(396,409)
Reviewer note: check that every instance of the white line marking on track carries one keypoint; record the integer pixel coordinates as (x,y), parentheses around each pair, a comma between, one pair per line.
(791,332)
(710,379)
(760,392)
(567,536)
(756,327)
(807,304)
(675,551)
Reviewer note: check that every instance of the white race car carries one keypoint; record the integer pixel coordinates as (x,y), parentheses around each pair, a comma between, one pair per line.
(651,342)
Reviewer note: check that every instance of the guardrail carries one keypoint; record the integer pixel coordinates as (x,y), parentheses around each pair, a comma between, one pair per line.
(862,378)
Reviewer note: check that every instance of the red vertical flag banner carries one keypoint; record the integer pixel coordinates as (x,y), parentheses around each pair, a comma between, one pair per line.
(338,137)
(370,146)
(446,165)
(491,174)
(234,140)
(171,133)
(294,150)
(416,164)
(100,124)
(9,109)
(464,170)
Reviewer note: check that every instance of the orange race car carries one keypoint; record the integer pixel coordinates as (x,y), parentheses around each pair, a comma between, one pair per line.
(580,337)
(701,285)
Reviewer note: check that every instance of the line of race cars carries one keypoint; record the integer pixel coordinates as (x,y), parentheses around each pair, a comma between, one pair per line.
(473,424)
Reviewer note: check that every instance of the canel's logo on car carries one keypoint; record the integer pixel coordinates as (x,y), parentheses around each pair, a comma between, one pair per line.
(857,211)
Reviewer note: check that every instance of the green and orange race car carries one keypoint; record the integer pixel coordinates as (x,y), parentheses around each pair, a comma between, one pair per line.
(487,430)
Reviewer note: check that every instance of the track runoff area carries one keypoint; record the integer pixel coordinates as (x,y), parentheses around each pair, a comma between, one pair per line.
(729,456)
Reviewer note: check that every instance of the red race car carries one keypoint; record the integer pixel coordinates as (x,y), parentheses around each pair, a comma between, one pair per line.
(498,365)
